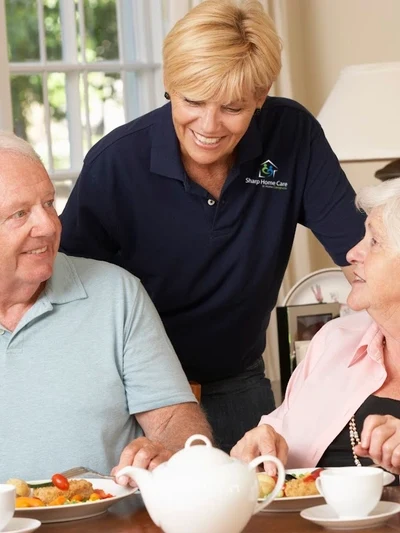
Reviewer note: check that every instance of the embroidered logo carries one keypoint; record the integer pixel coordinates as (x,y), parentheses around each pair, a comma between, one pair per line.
(267,170)
(266,175)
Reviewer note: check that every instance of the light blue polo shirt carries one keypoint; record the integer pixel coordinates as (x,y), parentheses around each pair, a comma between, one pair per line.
(91,352)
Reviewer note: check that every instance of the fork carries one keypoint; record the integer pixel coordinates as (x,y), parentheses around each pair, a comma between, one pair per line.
(78,471)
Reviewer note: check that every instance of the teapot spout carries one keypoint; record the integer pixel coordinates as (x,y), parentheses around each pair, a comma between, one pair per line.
(144,480)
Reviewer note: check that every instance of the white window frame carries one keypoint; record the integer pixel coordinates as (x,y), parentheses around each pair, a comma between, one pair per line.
(141,30)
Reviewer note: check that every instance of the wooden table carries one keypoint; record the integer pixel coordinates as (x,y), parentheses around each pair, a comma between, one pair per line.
(130,516)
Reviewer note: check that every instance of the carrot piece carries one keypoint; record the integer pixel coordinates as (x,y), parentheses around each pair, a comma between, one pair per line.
(60,500)
(28,501)
(103,495)
(77,498)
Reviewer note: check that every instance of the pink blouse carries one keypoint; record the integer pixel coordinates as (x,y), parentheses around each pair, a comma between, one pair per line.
(343,366)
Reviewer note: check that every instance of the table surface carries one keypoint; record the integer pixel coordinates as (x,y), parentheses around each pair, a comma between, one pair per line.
(130,516)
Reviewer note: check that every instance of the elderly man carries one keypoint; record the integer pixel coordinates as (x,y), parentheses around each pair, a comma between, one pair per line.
(86,366)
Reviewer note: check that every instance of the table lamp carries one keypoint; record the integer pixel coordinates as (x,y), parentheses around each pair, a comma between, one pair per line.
(361,116)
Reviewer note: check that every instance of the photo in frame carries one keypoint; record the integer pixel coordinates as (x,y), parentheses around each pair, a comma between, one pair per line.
(298,324)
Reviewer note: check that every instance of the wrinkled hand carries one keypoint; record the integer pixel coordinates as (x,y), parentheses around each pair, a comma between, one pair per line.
(262,440)
(380,440)
(142,453)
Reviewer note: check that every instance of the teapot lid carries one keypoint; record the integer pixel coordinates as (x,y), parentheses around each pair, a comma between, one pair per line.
(198,455)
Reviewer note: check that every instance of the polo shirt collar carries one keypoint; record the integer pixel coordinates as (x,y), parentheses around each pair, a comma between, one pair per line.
(64,285)
(165,158)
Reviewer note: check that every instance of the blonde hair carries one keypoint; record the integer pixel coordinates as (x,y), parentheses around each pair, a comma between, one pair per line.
(222,49)
(386,198)
(9,142)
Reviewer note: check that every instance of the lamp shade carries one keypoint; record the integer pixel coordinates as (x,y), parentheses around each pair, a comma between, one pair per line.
(361,117)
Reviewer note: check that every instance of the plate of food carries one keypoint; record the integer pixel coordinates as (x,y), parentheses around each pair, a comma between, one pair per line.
(299,490)
(66,500)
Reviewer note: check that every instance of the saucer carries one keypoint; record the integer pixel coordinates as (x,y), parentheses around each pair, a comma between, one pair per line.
(21,525)
(326,517)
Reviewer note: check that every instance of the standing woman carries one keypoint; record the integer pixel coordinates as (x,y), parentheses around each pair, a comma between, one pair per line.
(201,198)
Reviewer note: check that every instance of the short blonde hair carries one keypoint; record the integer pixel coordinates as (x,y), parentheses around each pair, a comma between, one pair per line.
(386,198)
(9,142)
(222,49)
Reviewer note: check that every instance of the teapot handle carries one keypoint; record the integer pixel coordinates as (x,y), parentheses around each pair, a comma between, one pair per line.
(279,484)
(191,439)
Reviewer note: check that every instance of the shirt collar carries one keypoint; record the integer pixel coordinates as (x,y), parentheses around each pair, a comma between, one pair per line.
(64,285)
(165,158)
(165,153)
(371,345)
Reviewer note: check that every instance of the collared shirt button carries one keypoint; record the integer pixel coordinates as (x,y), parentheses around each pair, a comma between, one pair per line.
(210,201)
(2,331)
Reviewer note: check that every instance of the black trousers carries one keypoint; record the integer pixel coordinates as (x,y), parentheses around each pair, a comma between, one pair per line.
(235,405)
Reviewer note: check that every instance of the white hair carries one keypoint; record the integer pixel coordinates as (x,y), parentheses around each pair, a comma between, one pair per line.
(9,142)
(386,198)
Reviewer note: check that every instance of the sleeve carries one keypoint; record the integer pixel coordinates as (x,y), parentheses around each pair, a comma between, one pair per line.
(88,220)
(328,203)
(153,376)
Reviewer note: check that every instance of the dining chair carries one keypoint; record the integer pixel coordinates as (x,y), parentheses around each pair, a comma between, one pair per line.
(196,389)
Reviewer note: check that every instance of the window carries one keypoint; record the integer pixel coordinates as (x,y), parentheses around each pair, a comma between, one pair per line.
(76,70)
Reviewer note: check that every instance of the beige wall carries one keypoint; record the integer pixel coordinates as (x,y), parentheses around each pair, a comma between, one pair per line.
(325,36)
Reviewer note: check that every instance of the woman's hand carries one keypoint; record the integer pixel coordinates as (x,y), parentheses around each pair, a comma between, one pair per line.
(142,453)
(380,440)
(262,440)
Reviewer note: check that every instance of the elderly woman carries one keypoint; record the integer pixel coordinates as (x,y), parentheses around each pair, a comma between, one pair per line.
(200,199)
(342,405)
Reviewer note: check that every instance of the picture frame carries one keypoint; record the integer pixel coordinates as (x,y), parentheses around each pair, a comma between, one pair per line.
(299,323)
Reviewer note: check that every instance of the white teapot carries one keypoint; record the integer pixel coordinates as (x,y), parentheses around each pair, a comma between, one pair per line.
(202,489)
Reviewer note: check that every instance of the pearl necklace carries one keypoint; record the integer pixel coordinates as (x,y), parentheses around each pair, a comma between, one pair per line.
(354,439)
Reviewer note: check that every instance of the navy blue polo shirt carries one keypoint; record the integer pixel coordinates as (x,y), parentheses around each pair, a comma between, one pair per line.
(212,268)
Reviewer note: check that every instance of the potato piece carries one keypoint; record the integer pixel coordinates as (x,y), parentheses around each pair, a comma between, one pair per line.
(266,484)
(21,486)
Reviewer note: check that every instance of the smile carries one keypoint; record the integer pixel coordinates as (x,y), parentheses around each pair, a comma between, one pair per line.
(38,250)
(359,278)
(206,140)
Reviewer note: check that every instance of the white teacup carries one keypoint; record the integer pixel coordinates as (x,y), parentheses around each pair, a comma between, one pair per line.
(352,491)
(7,504)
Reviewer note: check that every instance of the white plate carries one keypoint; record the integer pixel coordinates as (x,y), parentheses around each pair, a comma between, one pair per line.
(64,513)
(21,525)
(332,282)
(298,503)
(326,517)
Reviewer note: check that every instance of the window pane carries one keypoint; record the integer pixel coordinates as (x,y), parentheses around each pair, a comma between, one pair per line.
(52,26)
(22,30)
(28,116)
(105,101)
(101,30)
(63,189)
(58,121)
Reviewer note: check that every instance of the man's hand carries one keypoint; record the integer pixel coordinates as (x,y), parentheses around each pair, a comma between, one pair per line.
(142,453)
(262,440)
(380,440)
